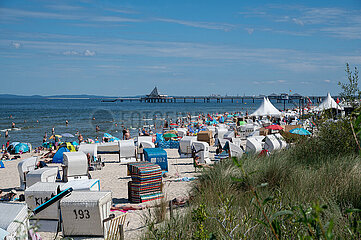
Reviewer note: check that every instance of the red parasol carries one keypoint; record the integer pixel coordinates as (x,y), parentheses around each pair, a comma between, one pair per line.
(274,127)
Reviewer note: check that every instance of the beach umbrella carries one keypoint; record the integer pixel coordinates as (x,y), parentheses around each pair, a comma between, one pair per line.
(67,135)
(300,131)
(107,135)
(54,136)
(274,127)
(169,135)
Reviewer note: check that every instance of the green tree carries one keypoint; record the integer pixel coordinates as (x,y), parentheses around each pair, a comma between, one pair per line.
(350,89)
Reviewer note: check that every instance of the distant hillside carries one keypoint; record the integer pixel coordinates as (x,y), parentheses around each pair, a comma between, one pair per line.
(19,96)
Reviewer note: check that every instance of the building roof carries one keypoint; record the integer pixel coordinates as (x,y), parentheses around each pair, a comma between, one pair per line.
(154,93)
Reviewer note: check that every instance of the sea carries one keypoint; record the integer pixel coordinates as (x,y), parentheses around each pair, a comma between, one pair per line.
(33,117)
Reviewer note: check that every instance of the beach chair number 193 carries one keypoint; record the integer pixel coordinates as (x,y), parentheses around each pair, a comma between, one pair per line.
(81,214)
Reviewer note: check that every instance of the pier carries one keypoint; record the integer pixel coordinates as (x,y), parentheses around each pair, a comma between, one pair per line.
(155,97)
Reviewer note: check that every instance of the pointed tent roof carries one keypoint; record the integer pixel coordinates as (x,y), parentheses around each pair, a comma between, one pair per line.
(266,109)
(154,92)
(328,103)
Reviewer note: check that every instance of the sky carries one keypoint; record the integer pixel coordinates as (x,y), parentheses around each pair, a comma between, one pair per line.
(184,47)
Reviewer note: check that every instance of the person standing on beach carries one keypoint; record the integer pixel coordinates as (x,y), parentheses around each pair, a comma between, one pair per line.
(7,144)
(53,131)
(80,138)
(124,132)
(44,139)
(127,134)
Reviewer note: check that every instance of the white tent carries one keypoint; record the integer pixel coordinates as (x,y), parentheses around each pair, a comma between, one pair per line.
(266,109)
(328,103)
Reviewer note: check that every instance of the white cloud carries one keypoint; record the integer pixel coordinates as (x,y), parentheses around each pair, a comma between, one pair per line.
(71,53)
(114,19)
(350,32)
(64,7)
(126,11)
(250,30)
(78,53)
(12,13)
(305,82)
(335,22)
(327,81)
(16,45)
(89,53)
(206,25)
(281,81)
(298,21)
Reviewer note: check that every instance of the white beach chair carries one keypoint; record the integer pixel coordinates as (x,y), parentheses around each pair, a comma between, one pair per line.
(234,150)
(185,146)
(271,143)
(201,150)
(38,194)
(45,174)
(75,166)
(24,167)
(83,213)
(281,140)
(14,220)
(127,151)
(253,145)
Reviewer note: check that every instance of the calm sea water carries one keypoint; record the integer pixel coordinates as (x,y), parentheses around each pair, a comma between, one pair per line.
(80,113)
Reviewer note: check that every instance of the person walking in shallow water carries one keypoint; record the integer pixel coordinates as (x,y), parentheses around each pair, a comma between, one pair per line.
(66,122)
(6,134)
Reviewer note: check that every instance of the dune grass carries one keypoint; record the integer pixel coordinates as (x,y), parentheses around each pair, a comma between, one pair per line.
(310,191)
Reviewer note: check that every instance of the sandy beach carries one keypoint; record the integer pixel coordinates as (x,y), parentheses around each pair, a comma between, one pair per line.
(113,177)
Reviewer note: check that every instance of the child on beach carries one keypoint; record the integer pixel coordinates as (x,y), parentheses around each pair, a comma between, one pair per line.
(6,155)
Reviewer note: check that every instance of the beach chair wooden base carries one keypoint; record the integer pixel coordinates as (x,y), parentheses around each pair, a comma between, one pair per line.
(115,227)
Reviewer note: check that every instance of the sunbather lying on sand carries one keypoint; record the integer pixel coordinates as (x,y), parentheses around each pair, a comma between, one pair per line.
(7,196)
(49,154)
(180,201)
(127,207)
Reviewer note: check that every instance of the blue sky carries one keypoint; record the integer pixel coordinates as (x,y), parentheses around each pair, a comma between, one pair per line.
(119,48)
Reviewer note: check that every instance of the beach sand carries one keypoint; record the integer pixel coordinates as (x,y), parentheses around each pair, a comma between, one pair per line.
(113,177)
